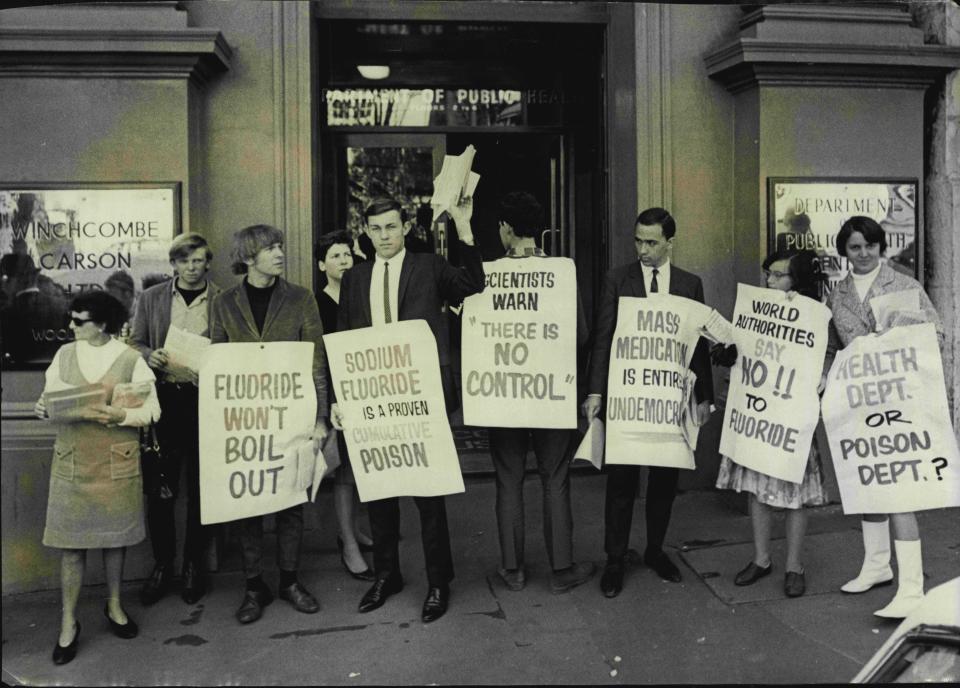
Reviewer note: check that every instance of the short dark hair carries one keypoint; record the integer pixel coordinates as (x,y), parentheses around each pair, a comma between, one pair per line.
(384,204)
(806,273)
(249,241)
(185,244)
(327,241)
(104,309)
(872,232)
(522,211)
(658,216)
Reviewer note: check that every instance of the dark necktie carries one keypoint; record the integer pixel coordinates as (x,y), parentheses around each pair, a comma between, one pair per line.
(386,293)
(654,287)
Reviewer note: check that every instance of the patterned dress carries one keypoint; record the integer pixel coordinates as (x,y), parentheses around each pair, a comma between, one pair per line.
(774,491)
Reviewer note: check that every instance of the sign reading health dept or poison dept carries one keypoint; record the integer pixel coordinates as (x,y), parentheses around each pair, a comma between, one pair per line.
(772,406)
(387,383)
(258,408)
(520,345)
(885,412)
(649,385)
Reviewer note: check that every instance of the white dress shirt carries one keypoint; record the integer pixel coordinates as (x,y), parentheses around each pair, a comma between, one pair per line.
(376,288)
(663,278)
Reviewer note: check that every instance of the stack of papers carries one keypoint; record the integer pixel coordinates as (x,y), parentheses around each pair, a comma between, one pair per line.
(130,395)
(455,180)
(64,405)
(897,308)
(185,348)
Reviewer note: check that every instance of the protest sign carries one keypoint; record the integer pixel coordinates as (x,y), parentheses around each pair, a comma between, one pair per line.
(772,406)
(258,408)
(885,412)
(526,305)
(649,384)
(387,383)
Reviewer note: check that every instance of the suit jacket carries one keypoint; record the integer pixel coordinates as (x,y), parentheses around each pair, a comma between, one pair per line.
(152,318)
(426,281)
(627,280)
(292,316)
(853,318)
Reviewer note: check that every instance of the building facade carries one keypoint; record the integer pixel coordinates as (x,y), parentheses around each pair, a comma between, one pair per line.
(294,113)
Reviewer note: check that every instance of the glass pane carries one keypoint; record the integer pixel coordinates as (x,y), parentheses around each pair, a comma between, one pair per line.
(427,107)
(405,174)
(930,664)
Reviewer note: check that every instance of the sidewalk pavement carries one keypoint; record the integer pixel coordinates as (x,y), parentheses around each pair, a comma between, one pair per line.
(703,630)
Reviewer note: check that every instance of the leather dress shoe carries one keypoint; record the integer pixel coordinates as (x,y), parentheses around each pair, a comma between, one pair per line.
(125,631)
(576,574)
(664,568)
(61,654)
(251,609)
(193,585)
(794,584)
(435,606)
(300,598)
(752,573)
(611,582)
(378,593)
(156,585)
(514,579)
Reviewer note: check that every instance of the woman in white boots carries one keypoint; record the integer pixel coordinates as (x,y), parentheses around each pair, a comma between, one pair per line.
(862,241)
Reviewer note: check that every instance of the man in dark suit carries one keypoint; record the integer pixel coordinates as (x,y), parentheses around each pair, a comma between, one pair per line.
(401,285)
(653,237)
(264,307)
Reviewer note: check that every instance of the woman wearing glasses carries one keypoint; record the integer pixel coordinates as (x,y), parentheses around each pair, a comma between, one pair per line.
(797,272)
(96,499)
(862,241)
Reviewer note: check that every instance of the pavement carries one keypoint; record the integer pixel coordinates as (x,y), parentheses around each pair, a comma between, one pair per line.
(703,630)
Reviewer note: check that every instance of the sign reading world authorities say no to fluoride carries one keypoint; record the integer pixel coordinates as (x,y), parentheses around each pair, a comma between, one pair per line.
(395,421)
(772,408)
(258,408)
(520,346)
(885,411)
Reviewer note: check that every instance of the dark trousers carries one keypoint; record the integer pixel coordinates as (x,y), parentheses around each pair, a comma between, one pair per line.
(622,491)
(289,527)
(385,529)
(179,437)
(508,447)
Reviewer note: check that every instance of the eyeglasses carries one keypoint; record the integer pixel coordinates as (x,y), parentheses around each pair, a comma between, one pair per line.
(79,321)
(775,273)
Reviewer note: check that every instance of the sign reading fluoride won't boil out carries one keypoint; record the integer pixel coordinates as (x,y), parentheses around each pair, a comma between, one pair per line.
(649,383)
(772,406)
(885,412)
(519,360)
(387,383)
(258,408)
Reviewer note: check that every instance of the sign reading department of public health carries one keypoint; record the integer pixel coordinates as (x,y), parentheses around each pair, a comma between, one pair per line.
(885,412)
(258,408)
(387,384)
(649,383)
(58,240)
(519,360)
(772,406)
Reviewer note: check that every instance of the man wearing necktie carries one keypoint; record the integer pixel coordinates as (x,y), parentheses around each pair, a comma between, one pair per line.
(652,273)
(402,285)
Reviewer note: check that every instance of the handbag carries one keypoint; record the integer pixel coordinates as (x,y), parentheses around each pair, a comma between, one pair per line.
(155,482)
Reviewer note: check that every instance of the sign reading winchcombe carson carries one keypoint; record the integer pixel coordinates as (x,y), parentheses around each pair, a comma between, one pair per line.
(258,408)
(387,384)
(520,346)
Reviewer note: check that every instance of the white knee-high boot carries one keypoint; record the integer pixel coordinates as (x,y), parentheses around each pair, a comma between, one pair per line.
(909,581)
(876,558)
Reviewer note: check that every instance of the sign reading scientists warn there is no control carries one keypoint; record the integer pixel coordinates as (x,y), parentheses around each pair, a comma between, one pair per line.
(387,383)
(520,346)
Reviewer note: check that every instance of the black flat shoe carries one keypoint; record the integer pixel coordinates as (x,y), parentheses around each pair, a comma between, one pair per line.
(193,585)
(435,606)
(794,584)
(379,592)
(63,655)
(664,568)
(752,573)
(156,585)
(611,582)
(125,631)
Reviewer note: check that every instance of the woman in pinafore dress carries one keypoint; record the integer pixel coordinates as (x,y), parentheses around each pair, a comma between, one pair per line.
(799,272)
(96,492)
